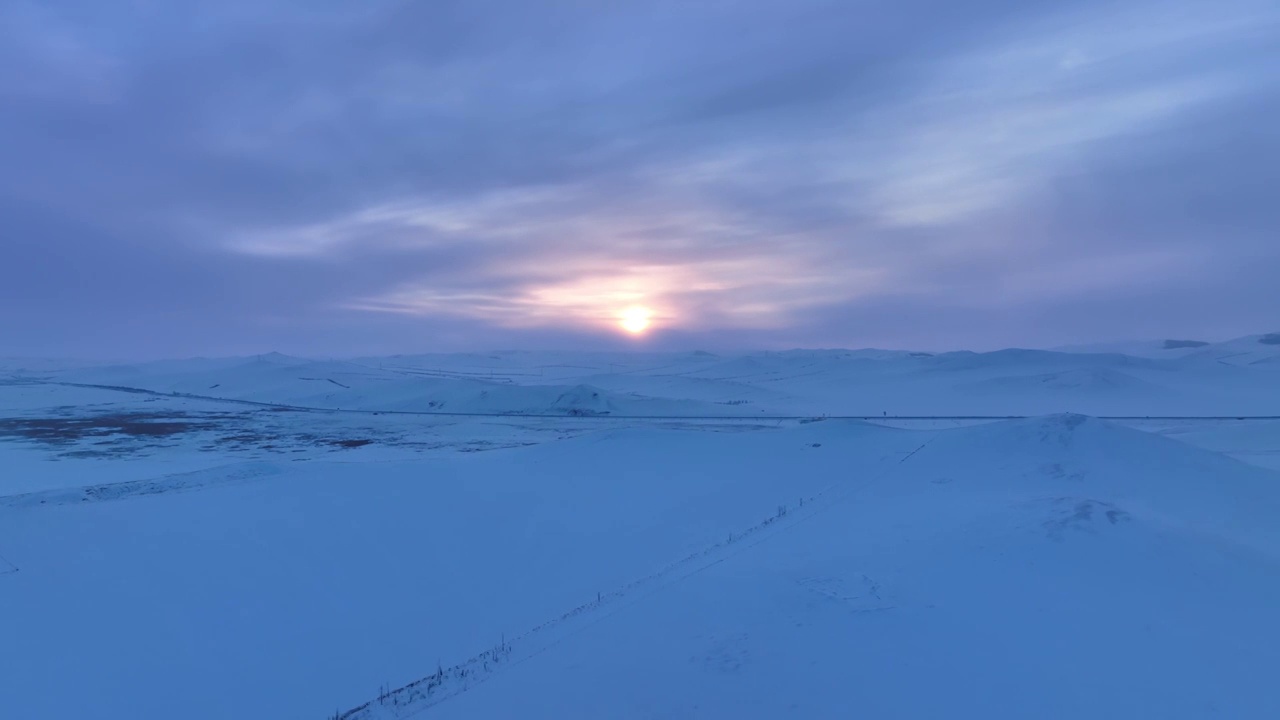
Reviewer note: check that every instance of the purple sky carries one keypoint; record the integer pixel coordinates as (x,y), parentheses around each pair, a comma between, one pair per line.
(185,177)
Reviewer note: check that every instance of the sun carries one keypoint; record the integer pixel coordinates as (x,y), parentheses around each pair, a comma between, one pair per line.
(636,319)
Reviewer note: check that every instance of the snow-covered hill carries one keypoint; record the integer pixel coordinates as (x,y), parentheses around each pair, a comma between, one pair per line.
(640,537)
(1054,568)
(1251,350)
(1191,379)
(281,380)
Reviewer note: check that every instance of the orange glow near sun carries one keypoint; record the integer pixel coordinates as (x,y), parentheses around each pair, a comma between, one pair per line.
(636,320)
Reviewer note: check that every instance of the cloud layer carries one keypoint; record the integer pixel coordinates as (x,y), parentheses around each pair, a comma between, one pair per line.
(210,177)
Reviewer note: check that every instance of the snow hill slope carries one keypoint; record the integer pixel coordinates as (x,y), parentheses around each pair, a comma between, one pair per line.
(1008,382)
(1005,382)
(1252,350)
(1169,348)
(1059,567)
(1234,378)
(1091,380)
(1243,351)
(282,380)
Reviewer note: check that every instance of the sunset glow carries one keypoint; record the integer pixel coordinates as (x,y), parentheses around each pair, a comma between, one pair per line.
(636,320)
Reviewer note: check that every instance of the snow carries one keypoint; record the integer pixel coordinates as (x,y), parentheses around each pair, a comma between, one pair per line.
(982,588)
(1250,350)
(322,583)
(642,535)
(279,380)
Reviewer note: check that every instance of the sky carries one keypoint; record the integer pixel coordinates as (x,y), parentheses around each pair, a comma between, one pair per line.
(192,177)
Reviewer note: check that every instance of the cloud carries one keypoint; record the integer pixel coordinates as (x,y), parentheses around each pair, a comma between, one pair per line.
(993,123)
(751,293)
(576,256)
(758,170)
(986,127)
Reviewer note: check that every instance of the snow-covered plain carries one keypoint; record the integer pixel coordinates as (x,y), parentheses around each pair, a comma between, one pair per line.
(807,533)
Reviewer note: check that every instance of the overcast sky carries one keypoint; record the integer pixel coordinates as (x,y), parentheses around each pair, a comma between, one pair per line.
(183,177)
